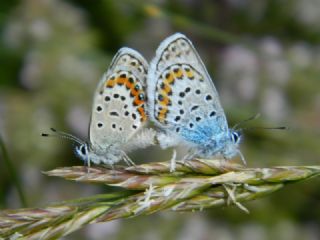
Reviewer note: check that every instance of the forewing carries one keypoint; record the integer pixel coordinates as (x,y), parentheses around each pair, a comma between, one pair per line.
(180,91)
(118,110)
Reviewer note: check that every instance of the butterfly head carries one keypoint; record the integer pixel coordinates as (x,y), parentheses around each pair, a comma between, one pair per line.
(236,136)
(82,151)
(231,145)
(109,154)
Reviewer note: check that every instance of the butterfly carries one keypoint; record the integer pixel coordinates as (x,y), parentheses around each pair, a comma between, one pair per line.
(184,103)
(118,112)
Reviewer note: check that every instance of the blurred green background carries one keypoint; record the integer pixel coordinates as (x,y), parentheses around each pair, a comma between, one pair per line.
(264,57)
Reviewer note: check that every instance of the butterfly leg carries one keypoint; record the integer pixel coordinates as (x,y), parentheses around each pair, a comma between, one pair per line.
(89,164)
(127,160)
(242,157)
(111,166)
(192,153)
(173,161)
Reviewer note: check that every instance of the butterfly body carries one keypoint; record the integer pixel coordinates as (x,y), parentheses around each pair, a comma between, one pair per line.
(118,112)
(184,103)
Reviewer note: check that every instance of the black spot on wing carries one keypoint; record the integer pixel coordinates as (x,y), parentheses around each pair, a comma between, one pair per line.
(99,108)
(193,108)
(212,114)
(114,113)
(182,94)
(208,97)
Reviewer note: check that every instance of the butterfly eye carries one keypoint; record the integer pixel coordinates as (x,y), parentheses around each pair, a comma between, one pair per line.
(83,150)
(235,137)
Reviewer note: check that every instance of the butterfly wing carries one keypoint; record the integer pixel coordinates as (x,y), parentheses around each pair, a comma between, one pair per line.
(118,110)
(181,94)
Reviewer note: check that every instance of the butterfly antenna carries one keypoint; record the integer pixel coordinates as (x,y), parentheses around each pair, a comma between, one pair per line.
(61,134)
(268,128)
(246,120)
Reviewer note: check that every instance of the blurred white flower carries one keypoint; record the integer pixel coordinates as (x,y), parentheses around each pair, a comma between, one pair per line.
(278,71)
(238,74)
(78,120)
(274,104)
(102,231)
(308,12)
(270,48)
(198,227)
(73,67)
(252,231)
(195,227)
(31,70)
(40,29)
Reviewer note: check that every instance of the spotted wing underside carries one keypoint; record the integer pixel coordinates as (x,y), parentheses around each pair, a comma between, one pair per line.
(119,102)
(180,90)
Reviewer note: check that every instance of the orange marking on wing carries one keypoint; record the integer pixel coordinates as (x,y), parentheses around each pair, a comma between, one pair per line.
(166,87)
(129,85)
(169,78)
(133,91)
(121,80)
(137,101)
(110,83)
(190,74)
(178,74)
(163,93)
(142,113)
(165,101)
(162,114)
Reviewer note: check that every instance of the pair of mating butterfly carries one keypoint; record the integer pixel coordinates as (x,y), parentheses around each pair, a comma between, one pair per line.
(181,100)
